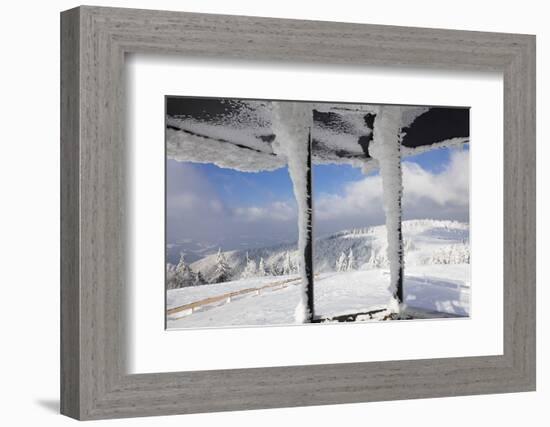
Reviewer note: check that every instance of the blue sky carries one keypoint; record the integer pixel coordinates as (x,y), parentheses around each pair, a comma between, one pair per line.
(238,209)
(246,188)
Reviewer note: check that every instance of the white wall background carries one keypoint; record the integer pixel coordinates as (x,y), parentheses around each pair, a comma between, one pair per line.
(29,224)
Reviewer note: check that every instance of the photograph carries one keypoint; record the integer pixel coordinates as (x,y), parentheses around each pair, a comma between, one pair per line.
(286,212)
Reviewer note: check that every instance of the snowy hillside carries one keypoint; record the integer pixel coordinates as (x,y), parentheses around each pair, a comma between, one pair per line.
(352,277)
(192,250)
(426,242)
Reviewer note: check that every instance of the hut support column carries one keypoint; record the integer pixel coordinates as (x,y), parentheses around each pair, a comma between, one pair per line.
(308,249)
(291,123)
(386,149)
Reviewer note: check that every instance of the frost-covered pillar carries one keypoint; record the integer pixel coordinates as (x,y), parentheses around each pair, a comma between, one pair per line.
(385,147)
(291,123)
(308,249)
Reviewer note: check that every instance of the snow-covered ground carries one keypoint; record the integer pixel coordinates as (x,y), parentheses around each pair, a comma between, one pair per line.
(437,279)
(179,297)
(431,288)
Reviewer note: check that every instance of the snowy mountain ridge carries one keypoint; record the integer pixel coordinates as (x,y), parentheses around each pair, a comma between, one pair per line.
(426,241)
(410,226)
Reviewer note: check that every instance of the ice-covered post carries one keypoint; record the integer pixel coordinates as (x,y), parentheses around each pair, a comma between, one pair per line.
(308,250)
(291,123)
(385,147)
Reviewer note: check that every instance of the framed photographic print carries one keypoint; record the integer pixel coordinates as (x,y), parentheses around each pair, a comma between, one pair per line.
(241,174)
(348,211)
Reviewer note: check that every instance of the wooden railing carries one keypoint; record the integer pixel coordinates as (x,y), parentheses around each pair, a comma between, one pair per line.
(192,306)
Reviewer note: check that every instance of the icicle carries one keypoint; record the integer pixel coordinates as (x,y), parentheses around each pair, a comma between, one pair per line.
(386,149)
(291,123)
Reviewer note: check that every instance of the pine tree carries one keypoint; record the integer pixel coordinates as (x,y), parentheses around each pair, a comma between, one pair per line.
(351,261)
(223,271)
(199,279)
(274,270)
(183,275)
(341,262)
(170,276)
(261,268)
(287,266)
(249,269)
(373,260)
(295,266)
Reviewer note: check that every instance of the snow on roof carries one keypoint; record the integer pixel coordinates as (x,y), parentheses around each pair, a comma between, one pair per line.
(239,134)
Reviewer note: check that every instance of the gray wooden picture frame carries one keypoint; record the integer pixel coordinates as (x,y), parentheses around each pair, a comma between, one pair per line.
(94,382)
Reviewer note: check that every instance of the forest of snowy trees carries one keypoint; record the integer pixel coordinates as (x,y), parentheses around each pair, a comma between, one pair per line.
(345,251)
(181,275)
(345,262)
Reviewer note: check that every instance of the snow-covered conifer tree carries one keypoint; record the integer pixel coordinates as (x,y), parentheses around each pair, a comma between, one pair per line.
(199,279)
(274,270)
(261,268)
(183,276)
(223,271)
(287,264)
(249,269)
(182,265)
(295,266)
(342,261)
(170,276)
(351,261)
(452,254)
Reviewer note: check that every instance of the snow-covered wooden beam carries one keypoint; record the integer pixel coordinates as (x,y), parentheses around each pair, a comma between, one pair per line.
(239,133)
(386,149)
(308,250)
(292,123)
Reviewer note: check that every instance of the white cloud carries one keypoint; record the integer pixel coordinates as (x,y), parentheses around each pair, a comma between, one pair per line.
(449,187)
(216,205)
(183,202)
(276,211)
(363,196)
(427,194)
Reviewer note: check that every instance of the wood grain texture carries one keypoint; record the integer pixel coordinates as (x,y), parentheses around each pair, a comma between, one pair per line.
(94,382)
(70,297)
